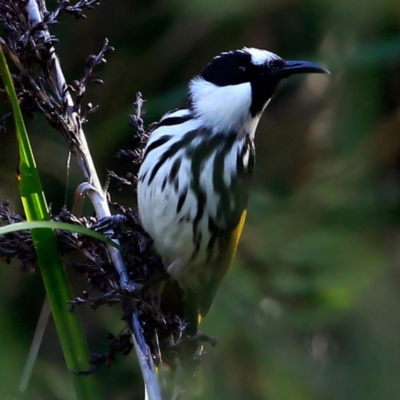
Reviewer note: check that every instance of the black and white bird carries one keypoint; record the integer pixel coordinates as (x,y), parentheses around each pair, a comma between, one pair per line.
(194,177)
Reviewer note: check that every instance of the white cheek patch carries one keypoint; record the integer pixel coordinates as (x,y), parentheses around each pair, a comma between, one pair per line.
(220,108)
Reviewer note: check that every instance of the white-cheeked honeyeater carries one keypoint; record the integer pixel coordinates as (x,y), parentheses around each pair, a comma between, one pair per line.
(194,178)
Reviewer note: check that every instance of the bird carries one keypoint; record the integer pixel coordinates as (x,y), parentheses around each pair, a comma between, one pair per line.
(193,182)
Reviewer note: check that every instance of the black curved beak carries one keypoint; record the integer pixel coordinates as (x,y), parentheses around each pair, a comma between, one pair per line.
(300,67)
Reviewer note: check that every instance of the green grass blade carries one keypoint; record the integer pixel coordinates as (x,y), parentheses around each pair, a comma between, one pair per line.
(62,226)
(69,330)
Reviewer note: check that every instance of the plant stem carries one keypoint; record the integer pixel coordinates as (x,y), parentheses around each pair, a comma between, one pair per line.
(72,338)
(98,197)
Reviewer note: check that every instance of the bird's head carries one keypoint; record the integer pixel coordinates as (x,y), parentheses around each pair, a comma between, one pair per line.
(235,87)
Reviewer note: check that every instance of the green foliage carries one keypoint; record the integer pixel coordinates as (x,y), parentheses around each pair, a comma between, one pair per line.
(72,339)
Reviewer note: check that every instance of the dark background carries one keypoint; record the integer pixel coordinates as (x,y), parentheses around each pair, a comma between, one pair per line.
(311,307)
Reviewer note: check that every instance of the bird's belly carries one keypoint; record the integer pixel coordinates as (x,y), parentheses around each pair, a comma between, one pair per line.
(189,205)
(172,231)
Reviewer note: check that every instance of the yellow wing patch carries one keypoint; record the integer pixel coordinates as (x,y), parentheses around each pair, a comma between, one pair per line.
(235,237)
(205,299)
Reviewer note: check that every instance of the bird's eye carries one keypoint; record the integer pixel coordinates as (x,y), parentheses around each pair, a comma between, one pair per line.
(276,64)
(242,69)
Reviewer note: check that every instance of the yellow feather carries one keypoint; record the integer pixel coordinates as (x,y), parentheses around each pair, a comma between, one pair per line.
(206,298)
(236,236)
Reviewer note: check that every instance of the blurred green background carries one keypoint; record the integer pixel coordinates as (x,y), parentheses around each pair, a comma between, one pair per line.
(311,307)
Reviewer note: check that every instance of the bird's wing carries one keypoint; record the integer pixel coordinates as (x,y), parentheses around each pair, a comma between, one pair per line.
(228,227)
(221,265)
